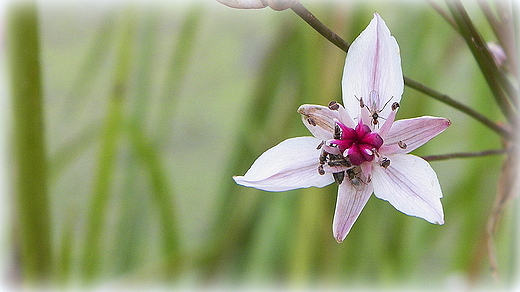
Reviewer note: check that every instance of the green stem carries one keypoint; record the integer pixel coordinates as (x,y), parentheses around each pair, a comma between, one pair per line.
(107,156)
(322,29)
(308,17)
(31,202)
(497,82)
(447,17)
(460,106)
(465,154)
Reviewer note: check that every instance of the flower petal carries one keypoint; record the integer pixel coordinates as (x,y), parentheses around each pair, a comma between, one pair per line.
(349,204)
(292,164)
(320,120)
(411,186)
(413,133)
(373,71)
(244,4)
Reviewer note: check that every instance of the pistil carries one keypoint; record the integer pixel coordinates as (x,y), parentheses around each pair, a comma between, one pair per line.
(358,144)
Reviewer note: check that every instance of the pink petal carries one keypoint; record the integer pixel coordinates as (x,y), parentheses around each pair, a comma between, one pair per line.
(411,186)
(373,139)
(413,133)
(373,63)
(292,164)
(387,125)
(355,155)
(349,204)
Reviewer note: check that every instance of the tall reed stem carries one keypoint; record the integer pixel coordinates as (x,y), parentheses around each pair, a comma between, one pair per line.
(32,226)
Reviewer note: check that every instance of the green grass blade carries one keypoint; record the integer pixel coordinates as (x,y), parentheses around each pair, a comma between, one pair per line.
(91,256)
(32,203)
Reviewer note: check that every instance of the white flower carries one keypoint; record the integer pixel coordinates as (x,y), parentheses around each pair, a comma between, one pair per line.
(257,4)
(359,146)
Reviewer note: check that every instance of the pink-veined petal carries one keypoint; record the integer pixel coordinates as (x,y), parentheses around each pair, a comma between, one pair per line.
(349,204)
(412,133)
(244,4)
(373,64)
(320,120)
(387,125)
(411,186)
(292,164)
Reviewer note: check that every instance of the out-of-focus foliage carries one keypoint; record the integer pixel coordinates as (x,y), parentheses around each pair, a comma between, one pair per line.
(150,109)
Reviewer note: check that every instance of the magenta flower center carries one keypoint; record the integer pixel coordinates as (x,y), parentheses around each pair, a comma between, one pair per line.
(360,143)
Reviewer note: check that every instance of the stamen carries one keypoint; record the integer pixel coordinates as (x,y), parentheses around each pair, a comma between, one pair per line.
(320,145)
(385,162)
(361,103)
(395,105)
(311,122)
(323,157)
(338,160)
(321,171)
(333,105)
(337,132)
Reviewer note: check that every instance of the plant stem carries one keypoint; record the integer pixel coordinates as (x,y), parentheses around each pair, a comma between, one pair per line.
(308,17)
(32,224)
(92,249)
(460,106)
(315,23)
(465,154)
(497,82)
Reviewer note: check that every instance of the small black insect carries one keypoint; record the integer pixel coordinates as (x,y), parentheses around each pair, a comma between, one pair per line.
(333,160)
(339,177)
(354,177)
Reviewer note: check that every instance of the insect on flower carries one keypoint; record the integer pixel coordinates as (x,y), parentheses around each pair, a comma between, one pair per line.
(354,178)
(355,150)
(374,112)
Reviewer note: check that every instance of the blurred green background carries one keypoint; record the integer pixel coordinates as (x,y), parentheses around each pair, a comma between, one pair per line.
(148,110)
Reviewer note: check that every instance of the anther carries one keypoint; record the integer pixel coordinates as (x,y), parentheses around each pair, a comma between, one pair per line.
(401,144)
(321,171)
(337,132)
(338,160)
(361,103)
(311,121)
(395,105)
(385,162)
(333,105)
(323,157)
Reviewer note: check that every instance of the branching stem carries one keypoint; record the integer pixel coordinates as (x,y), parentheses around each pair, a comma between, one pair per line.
(315,23)
(465,154)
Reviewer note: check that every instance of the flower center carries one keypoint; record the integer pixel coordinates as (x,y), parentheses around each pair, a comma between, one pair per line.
(358,144)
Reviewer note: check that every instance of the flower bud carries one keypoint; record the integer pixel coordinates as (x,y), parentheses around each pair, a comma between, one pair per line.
(277,5)
(244,4)
(280,5)
(497,52)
